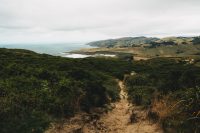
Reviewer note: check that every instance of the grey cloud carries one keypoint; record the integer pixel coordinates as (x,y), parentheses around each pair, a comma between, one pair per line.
(10,27)
(86,20)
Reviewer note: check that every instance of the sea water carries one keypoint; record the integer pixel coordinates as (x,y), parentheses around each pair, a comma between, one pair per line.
(52,49)
(56,49)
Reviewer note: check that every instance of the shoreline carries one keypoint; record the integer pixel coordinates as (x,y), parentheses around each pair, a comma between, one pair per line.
(76,55)
(98,52)
(143,53)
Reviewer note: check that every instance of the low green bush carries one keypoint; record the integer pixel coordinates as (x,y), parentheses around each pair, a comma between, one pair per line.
(159,78)
(37,89)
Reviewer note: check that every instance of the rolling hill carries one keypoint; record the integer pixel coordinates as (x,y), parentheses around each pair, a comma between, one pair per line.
(145,41)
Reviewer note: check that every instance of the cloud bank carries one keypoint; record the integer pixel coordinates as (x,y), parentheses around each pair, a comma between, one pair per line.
(39,21)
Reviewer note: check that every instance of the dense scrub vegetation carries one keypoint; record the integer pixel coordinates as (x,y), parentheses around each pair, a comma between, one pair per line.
(169,88)
(37,89)
(196,40)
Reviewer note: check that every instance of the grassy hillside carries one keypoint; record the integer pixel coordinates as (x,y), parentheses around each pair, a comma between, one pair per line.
(145,48)
(145,41)
(170,51)
(37,89)
(123,42)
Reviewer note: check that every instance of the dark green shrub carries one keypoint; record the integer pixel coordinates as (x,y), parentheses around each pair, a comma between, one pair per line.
(36,89)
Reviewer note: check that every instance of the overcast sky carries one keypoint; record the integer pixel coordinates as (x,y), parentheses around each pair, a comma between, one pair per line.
(45,21)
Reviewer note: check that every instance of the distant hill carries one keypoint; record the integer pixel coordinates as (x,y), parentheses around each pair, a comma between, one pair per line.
(145,41)
(123,42)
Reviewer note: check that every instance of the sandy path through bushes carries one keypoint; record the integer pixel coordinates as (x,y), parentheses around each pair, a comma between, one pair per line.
(115,121)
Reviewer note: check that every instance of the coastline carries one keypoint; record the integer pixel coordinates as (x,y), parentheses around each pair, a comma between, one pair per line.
(98,52)
(143,53)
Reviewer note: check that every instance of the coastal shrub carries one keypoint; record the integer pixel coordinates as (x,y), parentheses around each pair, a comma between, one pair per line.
(196,40)
(183,115)
(171,88)
(37,89)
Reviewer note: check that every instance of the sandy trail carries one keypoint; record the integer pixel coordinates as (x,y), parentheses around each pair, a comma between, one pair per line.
(115,121)
(118,120)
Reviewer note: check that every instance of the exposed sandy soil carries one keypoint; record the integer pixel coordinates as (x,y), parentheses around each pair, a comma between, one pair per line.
(115,121)
(137,58)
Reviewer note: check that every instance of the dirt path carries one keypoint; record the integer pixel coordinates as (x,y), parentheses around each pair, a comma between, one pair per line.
(115,121)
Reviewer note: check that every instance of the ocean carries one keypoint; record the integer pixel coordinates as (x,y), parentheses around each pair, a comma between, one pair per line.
(52,49)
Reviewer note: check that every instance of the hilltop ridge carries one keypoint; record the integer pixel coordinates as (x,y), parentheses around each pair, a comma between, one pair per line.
(147,41)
